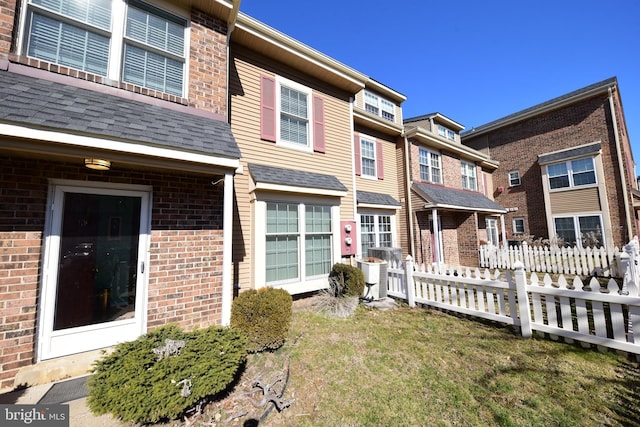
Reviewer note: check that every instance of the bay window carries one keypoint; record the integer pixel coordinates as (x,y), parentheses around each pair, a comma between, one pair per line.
(298,241)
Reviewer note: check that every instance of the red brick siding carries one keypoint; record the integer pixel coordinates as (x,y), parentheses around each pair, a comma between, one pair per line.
(7,16)
(185,254)
(208,63)
(517,146)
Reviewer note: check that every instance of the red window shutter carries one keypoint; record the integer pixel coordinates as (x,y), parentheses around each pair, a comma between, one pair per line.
(356,154)
(318,124)
(379,161)
(268,108)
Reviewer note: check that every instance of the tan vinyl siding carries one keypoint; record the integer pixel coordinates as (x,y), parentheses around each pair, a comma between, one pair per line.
(246,68)
(583,200)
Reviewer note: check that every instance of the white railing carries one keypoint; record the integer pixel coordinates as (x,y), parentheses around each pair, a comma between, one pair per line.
(603,316)
(581,261)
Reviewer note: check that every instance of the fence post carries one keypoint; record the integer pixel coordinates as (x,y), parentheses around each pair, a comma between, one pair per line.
(523,300)
(408,275)
(629,268)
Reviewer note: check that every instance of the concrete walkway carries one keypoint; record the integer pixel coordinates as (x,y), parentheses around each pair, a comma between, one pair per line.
(79,413)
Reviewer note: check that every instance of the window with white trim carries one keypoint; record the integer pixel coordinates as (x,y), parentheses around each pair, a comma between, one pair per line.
(430,166)
(379,106)
(375,231)
(149,50)
(469,181)
(446,133)
(514,178)
(518,226)
(294,109)
(368,156)
(492,231)
(574,173)
(581,230)
(297,235)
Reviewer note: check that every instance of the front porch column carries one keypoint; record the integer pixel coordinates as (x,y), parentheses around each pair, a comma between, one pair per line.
(437,239)
(504,232)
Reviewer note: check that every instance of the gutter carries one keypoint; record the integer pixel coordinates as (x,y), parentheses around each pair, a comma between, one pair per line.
(623,182)
(407,172)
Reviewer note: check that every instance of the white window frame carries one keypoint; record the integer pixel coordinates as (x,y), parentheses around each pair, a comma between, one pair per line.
(364,139)
(514,179)
(376,228)
(383,107)
(425,152)
(576,225)
(468,171)
(446,133)
(116,35)
(492,231)
(301,284)
(570,173)
(280,141)
(516,229)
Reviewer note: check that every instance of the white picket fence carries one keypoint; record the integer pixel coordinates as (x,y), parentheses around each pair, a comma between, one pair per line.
(591,314)
(581,261)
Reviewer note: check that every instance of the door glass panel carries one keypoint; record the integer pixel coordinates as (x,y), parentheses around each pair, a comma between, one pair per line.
(98,259)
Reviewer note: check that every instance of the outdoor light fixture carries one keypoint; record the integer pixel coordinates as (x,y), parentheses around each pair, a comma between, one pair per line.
(97,164)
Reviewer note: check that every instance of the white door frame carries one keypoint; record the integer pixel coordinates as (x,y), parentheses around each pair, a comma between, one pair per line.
(52,344)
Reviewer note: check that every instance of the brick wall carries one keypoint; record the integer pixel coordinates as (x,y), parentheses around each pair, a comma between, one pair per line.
(185,274)
(7,15)
(517,146)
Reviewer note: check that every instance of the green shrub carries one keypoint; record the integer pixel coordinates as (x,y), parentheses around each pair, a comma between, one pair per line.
(140,385)
(263,316)
(349,280)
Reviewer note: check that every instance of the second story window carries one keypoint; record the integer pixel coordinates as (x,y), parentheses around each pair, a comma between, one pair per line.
(430,169)
(148,51)
(368,153)
(294,113)
(446,133)
(574,173)
(379,106)
(514,178)
(469,181)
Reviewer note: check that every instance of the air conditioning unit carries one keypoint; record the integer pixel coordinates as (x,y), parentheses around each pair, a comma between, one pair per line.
(393,256)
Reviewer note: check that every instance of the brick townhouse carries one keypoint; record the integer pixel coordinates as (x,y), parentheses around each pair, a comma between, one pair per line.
(116,175)
(566,168)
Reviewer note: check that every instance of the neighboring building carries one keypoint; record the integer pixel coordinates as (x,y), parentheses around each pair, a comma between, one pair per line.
(452,211)
(566,168)
(112,133)
(297,198)
(378,162)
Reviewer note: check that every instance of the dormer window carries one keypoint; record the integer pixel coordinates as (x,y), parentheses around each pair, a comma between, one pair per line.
(379,106)
(446,133)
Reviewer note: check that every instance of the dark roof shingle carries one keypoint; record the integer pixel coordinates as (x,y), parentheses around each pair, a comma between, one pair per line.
(376,199)
(442,196)
(49,105)
(281,176)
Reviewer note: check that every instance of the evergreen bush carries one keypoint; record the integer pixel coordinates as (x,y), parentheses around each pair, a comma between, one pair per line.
(349,280)
(165,372)
(263,316)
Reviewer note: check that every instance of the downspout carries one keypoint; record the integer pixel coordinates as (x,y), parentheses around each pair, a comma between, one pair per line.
(231,25)
(621,167)
(407,171)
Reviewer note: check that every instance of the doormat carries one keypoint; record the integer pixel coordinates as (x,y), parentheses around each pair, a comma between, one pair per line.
(65,391)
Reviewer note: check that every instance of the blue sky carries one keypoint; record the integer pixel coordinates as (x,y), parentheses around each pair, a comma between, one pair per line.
(474,61)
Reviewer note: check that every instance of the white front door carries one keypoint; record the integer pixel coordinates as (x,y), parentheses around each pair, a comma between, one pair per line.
(94,275)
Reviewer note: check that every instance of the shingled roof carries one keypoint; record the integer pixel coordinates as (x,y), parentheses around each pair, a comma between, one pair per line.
(366,197)
(446,197)
(282,176)
(48,105)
